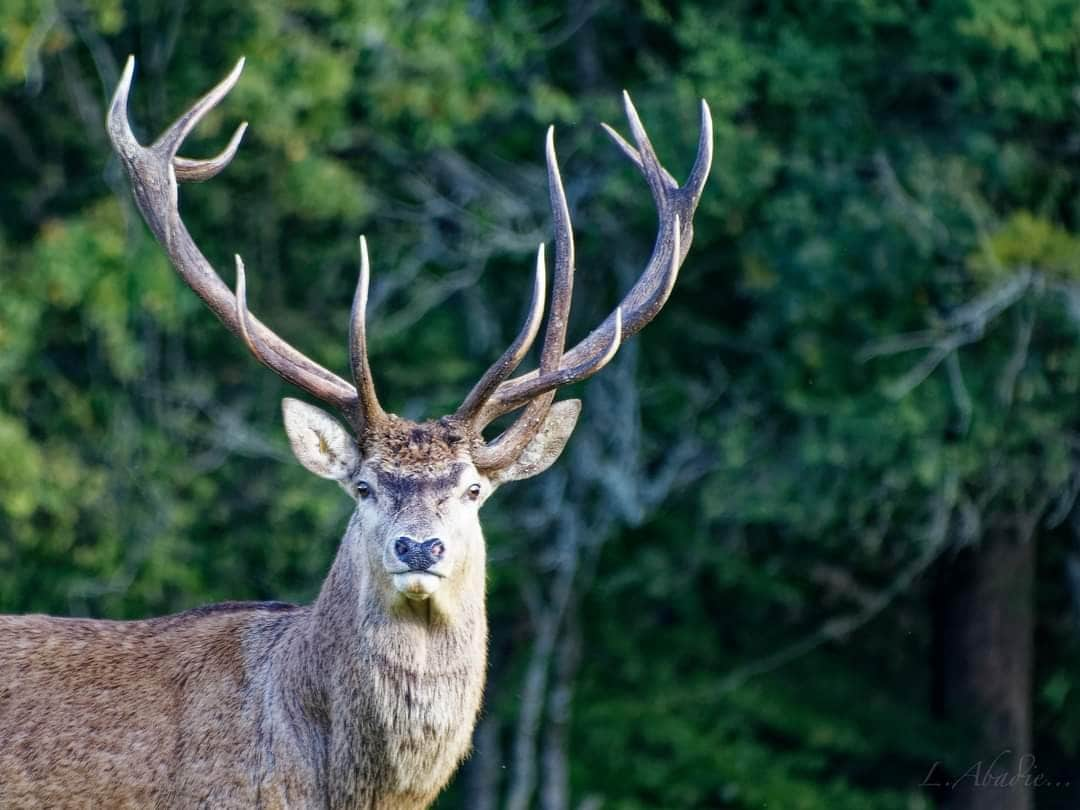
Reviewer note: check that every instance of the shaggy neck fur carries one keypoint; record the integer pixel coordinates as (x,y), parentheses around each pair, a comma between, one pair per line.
(388,689)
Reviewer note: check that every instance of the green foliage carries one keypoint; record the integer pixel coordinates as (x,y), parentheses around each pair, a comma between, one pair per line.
(881,168)
(1027,241)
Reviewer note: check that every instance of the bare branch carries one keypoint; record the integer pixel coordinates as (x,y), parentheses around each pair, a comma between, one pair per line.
(961,397)
(1025,326)
(911,210)
(965,325)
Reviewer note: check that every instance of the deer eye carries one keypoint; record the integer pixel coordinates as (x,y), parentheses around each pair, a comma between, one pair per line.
(474,491)
(363,489)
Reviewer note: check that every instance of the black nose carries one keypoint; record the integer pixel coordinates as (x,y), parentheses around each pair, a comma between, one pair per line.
(419,556)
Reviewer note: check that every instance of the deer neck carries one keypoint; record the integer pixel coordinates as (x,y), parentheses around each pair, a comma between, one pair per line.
(358,618)
(392,686)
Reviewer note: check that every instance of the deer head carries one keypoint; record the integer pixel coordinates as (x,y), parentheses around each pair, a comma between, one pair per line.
(419,486)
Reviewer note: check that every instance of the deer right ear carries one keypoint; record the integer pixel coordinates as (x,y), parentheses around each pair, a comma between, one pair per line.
(318,441)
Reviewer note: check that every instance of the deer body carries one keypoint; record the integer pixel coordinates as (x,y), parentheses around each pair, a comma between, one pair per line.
(368,697)
(341,704)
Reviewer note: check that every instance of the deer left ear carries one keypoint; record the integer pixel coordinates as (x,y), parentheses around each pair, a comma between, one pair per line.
(318,441)
(546,446)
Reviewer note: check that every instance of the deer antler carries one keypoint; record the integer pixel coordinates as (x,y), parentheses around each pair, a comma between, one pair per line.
(155,171)
(675,206)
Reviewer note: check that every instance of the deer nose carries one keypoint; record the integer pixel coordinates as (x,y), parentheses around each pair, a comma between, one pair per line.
(419,556)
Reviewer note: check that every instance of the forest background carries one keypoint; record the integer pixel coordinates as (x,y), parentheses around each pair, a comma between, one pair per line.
(815,543)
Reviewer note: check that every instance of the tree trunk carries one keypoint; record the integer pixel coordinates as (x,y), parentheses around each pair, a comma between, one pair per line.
(984,650)
(481,770)
(555,780)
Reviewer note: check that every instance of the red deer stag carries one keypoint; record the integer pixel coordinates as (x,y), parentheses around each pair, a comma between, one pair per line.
(368,697)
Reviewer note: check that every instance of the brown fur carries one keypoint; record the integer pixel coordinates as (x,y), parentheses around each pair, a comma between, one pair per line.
(361,700)
(418,448)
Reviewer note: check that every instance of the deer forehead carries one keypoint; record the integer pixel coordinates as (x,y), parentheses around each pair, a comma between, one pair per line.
(402,449)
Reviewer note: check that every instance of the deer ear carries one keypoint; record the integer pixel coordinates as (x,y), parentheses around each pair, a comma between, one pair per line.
(546,446)
(318,441)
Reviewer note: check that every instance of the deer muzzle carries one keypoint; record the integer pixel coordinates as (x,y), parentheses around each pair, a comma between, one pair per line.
(418,576)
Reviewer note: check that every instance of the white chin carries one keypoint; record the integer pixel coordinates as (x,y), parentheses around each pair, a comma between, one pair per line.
(416,584)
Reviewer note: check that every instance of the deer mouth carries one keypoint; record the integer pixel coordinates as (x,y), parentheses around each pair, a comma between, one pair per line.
(414,584)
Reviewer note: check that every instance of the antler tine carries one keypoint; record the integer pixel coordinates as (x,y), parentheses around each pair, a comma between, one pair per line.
(116,121)
(371,411)
(509,445)
(154,172)
(633,155)
(650,163)
(196,171)
(517,350)
(562,291)
(675,208)
(699,172)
